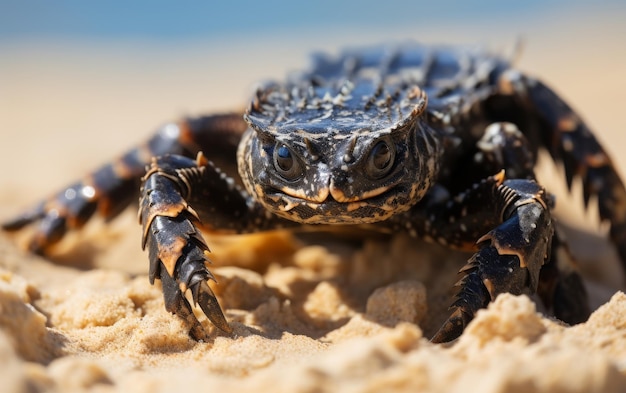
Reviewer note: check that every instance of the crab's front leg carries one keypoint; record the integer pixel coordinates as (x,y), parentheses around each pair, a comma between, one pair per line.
(510,256)
(512,222)
(177,194)
(570,141)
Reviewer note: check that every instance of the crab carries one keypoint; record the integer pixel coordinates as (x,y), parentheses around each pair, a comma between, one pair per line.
(440,142)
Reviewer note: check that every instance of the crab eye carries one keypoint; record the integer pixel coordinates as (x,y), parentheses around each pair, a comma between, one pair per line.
(285,162)
(380,160)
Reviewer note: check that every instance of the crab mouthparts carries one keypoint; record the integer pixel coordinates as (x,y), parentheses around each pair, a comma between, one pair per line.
(328,194)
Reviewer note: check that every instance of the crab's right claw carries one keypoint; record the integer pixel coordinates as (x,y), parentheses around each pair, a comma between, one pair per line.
(510,256)
(452,328)
(202,295)
(177,250)
(205,298)
(472,296)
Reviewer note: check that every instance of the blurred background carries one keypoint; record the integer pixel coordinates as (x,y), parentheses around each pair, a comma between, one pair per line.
(81,81)
(88,78)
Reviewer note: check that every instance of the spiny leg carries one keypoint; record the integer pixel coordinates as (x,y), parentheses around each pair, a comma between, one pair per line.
(510,256)
(560,285)
(177,195)
(112,187)
(569,140)
(514,214)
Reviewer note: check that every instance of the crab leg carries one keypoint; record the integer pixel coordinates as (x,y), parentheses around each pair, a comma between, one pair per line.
(569,140)
(112,187)
(173,187)
(510,256)
(560,285)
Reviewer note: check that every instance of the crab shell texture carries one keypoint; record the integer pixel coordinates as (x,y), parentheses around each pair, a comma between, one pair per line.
(347,142)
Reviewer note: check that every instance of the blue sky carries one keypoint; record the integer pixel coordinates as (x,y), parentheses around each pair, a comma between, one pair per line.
(163,20)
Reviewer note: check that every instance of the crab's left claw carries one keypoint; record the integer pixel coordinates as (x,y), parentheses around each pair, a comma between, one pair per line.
(510,256)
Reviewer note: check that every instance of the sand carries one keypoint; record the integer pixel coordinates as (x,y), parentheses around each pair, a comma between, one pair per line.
(315,321)
(309,314)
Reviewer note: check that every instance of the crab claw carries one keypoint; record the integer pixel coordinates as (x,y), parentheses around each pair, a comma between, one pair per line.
(177,251)
(205,298)
(176,303)
(452,327)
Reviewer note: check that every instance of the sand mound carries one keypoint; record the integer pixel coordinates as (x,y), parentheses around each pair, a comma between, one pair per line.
(315,319)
